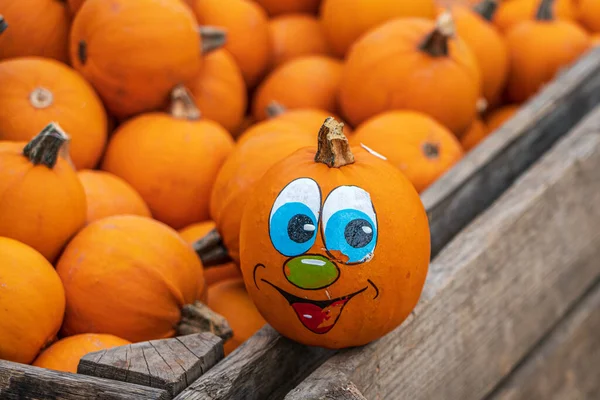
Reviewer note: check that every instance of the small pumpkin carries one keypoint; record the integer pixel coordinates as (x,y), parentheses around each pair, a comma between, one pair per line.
(415,143)
(37,90)
(278,7)
(511,13)
(32,302)
(43,201)
(589,14)
(34,28)
(64,355)
(499,116)
(171,160)
(296,35)
(230,299)
(248,38)
(109,195)
(328,256)
(476,133)
(310,81)
(345,21)
(310,119)
(426,69)
(220,90)
(539,49)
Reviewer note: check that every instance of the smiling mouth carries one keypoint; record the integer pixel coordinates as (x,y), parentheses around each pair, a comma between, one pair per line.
(318,316)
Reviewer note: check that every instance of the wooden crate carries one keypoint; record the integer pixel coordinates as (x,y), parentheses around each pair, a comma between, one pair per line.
(269,366)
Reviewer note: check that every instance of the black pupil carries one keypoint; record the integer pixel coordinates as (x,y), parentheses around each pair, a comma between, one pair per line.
(296,228)
(358,233)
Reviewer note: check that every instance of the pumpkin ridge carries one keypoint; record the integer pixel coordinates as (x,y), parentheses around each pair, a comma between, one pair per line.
(45,147)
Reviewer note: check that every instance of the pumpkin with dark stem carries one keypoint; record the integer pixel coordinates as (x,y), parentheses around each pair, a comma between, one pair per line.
(513,12)
(278,7)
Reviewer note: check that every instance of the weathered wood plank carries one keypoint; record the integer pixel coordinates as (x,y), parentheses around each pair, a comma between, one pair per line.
(169,364)
(495,290)
(566,364)
(25,382)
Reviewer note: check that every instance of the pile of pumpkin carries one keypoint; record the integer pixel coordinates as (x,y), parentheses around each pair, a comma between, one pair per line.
(130,130)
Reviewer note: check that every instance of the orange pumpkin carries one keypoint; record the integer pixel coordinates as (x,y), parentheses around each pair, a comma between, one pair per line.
(344,21)
(539,49)
(310,119)
(220,90)
(43,202)
(589,14)
(75,5)
(596,40)
(230,299)
(511,13)
(170,160)
(476,133)
(248,38)
(110,46)
(499,116)
(109,195)
(132,264)
(328,257)
(35,28)
(32,302)
(65,354)
(426,69)
(277,7)
(296,35)
(37,90)
(415,143)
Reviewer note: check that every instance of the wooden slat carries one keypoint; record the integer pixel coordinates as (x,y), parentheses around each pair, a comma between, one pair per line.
(257,368)
(495,290)
(25,382)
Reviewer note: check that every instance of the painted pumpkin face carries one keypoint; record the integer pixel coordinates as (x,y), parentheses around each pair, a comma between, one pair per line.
(334,248)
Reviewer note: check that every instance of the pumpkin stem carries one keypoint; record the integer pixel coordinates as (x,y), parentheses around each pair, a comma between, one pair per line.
(82,52)
(436,43)
(212,38)
(333,150)
(197,318)
(431,150)
(183,105)
(211,250)
(41,97)
(487,9)
(3,24)
(481,105)
(544,12)
(46,146)
(275,109)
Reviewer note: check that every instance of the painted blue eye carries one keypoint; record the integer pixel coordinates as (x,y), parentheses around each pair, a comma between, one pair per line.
(293,229)
(353,233)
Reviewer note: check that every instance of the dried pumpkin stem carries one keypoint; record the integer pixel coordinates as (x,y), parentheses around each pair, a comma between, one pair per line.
(486,8)
(183,105)
(3,24)
(275,109)
(431,150)
(212,38)
(436,43)
(333,149)
(211,249)
(46,146)
(197,318)
(544,12)
(41,97)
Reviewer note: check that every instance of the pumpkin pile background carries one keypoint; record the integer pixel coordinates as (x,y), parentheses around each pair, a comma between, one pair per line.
(129,130)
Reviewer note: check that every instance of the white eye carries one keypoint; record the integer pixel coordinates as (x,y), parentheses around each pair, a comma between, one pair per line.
(304,191)
(348,198)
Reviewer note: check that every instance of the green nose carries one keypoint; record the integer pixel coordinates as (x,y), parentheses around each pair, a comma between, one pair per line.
(311,272)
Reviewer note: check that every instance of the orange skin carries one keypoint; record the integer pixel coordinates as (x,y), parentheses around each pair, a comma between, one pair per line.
(310,81)
(596,40)
(75,106)
(410,78)
(248,38)
(277,7)
(310,119)
(220,90)
(498,117)
(538,50)
(296,35)
(36,28)
(474,135)
(109,195)
(172,163)
(75,5)
(230,299)
(65,354)
(511,13)
(132,264)
(405,147)
(32,302)
(360,302)
(105,30)
(589,14)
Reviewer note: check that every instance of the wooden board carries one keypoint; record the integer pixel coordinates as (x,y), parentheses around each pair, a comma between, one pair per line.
(494,291)
(257,369)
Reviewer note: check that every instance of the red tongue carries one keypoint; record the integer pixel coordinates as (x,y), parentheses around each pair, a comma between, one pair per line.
(316,318)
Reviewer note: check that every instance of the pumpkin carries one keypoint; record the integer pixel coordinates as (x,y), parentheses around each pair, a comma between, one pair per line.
(328,256)
(75,5)
(65,354)
(415,143)
(32,302)
(248,38)
(35,28)
(230,299)
(589,14)
(596,40)
(220,90)
(296,35)
(539,49)
(511,13)
(247,122)
(171,160)
(310,81)
(310,119)
(476,133)
(132,264)
(43,202)
(344,21)
(106,30)
(109,195)
(426,69)
(277,7)
(37,90)
(473,26)
(499,116)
